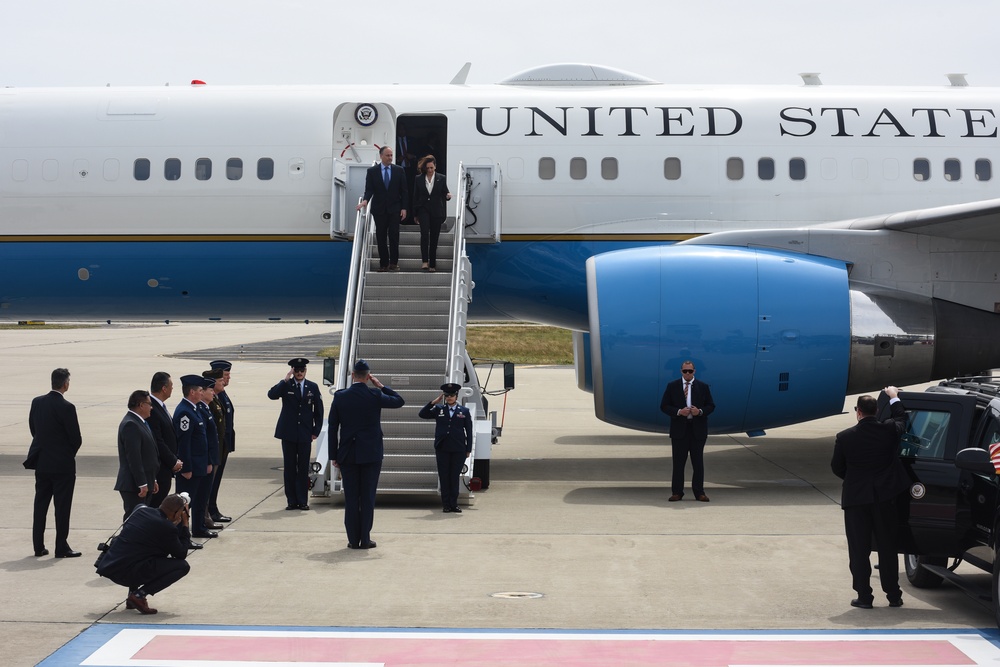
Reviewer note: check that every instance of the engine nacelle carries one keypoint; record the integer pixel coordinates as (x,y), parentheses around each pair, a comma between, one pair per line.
(769,331)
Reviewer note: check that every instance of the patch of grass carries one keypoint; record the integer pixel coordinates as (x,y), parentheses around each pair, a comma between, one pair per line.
(520,343)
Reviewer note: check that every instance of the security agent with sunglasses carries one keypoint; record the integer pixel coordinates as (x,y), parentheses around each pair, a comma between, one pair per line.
(452,441)
(689,403)
(866,457)
(300,422)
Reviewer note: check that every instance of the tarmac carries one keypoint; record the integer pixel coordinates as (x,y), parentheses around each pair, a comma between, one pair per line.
(575,528)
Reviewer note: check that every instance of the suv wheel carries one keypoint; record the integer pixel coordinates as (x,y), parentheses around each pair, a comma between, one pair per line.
(922,578)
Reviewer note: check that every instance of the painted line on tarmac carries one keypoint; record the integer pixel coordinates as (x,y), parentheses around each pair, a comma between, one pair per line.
(121,645)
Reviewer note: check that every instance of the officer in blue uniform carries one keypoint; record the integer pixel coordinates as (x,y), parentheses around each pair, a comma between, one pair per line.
(355,435)
(192,448)
(299,423)
(229,443)
(452,441)
(215,427)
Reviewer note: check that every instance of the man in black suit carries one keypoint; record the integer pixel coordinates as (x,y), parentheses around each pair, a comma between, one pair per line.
(866,457)
(161,387)
(386,184)
(689,403)
(138,460)
(55,440)
(150,553)
(355,433)
(452,441)
(300,422)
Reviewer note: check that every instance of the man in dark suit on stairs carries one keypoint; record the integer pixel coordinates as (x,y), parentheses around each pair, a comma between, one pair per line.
(355,433)
(385,187)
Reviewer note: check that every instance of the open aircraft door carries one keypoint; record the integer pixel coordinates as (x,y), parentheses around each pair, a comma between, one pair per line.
(482,183)
(360,129)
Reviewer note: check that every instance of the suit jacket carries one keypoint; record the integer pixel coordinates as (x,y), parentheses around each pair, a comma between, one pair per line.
(163,433)
(192,439)
(434,202)
(138,458)
(866,457)
(355,428)
(383,202)
(55,435)
(301,415)
(451,434)
(673,400)
(146,536)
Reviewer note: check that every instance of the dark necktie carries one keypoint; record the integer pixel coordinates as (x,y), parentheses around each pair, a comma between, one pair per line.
(385,176)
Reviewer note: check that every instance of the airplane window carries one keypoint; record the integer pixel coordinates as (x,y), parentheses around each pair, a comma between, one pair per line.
(952,169)
(578,168)
(19,170)
(859,169)
(672,168)
(546,168)
(797,169)
(984,170)
(234,169)
(890,169)
(203,169)
(265,169)
(765,169)
(140,170)
(609,168)
(921,169)
(50,170)
(172,169)
(734,168)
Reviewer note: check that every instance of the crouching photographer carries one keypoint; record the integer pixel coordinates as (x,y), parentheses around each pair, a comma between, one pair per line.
(149,554)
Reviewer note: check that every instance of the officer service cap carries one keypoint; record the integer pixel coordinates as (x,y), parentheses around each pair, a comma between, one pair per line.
(192,381)
(215,374)
(222,364)
(298,362)
(450,388)
(361,366)
(207,383)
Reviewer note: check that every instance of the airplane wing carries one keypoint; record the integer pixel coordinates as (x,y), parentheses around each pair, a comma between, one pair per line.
(974,221)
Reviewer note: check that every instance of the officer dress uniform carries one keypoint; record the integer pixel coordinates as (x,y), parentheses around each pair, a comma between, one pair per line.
(192,448)
(214,426)
(227,446)
(301,420)
(452,444)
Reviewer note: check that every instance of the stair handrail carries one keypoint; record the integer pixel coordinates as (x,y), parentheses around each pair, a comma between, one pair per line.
(360,258)
(460,279)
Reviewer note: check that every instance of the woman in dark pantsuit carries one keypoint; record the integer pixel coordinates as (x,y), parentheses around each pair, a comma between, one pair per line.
(430,197)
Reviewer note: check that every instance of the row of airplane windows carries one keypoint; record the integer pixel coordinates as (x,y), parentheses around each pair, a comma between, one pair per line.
(735,169)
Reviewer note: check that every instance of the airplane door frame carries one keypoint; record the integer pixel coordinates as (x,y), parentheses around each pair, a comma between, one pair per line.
(360,130)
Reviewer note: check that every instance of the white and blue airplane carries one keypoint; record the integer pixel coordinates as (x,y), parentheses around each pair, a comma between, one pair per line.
(797,242)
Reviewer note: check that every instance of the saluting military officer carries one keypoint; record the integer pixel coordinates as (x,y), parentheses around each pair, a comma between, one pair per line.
(299,423)
(452,441)
(230,442)
(192,448)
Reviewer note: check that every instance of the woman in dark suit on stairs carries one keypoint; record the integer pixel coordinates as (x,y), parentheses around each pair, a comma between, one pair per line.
(430,197)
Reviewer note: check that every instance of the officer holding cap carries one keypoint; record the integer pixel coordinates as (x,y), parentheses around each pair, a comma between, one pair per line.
(299,423)
(452,441)
(356,440)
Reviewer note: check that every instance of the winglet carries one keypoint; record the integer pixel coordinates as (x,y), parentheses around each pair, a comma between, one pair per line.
(462,75)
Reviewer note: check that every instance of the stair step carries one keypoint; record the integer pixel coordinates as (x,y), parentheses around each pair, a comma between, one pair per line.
(404,321)
(377,349)
(403,337)
(407,307)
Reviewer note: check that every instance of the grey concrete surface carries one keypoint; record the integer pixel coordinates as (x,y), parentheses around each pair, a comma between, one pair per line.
(577,511)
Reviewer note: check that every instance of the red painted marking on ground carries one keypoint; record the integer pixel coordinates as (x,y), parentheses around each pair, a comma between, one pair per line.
(441,651)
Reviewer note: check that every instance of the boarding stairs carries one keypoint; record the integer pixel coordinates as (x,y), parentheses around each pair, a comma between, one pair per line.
(409,325)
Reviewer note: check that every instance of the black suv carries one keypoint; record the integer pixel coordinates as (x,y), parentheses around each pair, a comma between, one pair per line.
(953,509)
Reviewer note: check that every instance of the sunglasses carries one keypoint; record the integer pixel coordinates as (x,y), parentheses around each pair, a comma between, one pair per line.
(688,370)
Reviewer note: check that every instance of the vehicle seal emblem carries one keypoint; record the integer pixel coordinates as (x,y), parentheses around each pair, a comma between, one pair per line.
(918,491)
(366,114)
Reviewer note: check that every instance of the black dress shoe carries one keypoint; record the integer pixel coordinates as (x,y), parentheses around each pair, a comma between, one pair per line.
(370,544)
(291,507)
(456,510)
(896,603)
(353,546)
(446,510)
(304,506)
(861,605)
(207,533)
(213,526)
(222,518)
(69,554)
(197,545)
(41,552)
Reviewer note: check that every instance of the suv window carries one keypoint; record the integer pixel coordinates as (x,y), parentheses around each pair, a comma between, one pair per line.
(926,434)
(991,434)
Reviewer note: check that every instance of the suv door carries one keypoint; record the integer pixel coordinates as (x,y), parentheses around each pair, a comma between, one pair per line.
(983,491)
(937,519)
